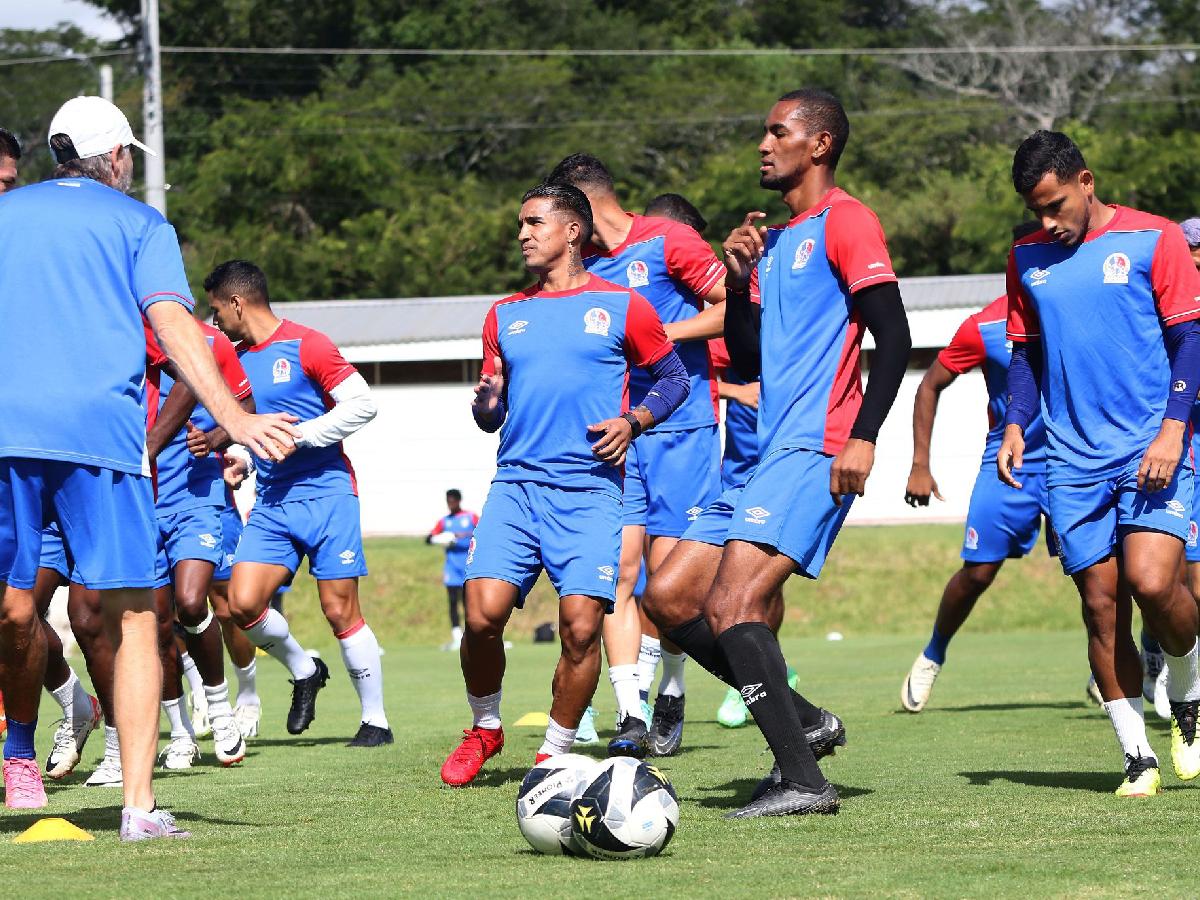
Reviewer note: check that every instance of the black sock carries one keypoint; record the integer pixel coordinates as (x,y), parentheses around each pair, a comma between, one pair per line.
(697,640)
(752,654)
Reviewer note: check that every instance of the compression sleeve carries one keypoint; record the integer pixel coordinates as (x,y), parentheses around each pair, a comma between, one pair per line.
(743,324)
(1183,349)
(1024,376)
(882,311)
(353,408)
(670,389)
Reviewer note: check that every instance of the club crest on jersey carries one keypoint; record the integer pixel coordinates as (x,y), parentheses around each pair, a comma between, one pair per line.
(597,321)
(281,371)
(803,252)
(1116,269)
(637,273)
(972,540)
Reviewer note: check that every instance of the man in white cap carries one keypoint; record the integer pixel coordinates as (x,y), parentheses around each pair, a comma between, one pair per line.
(81,264)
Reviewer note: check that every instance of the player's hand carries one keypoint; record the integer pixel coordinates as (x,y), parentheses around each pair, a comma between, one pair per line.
(489,391)
(743,249)
(1011,455)
(920,486)
(850,469)
(269,436)
(745,394)
(1161,457)
(615,438)
(197,442)
(235,472)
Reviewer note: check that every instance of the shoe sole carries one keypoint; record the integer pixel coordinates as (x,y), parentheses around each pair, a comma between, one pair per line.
(627,748)
(907,700)
(231,761)
(820,808)
(97,718)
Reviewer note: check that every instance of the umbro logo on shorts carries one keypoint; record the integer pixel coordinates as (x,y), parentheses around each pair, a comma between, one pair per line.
(347,557)
(751,692)
(1175,508)
(207,541)
(606,572)
(756,515)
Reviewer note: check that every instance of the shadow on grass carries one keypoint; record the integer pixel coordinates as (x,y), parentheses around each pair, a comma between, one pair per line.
(736,793)
(1098,782)
(1009,707)
(102,818)
(498,777)
(297,741)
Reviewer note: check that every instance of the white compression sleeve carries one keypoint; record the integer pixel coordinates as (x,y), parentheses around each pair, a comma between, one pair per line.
(353,408)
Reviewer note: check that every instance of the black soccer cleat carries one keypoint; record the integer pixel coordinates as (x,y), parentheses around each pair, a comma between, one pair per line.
(825,737)
(371,736)
(790,799)
(666,727)
(632,739)
(304,698)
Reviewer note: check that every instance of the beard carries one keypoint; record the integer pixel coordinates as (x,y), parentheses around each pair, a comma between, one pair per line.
(773,181)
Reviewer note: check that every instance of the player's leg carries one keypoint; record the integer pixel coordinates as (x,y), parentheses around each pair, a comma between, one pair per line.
(580,621)
(623,639)
(454,597)
(666,729)
(87,624)
(248,709)
(182,750)
(733,713)
(360,655)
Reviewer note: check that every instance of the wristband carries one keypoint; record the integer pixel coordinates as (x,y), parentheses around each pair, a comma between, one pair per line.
(633,421)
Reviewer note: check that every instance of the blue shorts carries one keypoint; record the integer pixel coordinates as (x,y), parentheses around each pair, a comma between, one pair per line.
(1089,519)
(786,504)
(670,477)
(1002,522)
(106,517)
(325,529)
(54,551)
(231,533)
(189,534)
(574,535)
(712,525)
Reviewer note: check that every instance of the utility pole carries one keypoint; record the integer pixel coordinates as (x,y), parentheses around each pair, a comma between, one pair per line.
(156,166)
(106,84)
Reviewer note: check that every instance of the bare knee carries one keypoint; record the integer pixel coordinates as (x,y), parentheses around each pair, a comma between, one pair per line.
(579,639)
(671,598)
(18,611)
(1153,583)
(979,577)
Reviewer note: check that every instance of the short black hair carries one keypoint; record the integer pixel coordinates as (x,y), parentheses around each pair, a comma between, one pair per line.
(677,207)
(238,276)
(580,169)
(1042,152)
(569,199)
(1026,228)
(454,493)
(9,145)
(822,111)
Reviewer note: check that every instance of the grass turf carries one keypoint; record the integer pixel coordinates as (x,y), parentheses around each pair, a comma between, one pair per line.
(1002,787)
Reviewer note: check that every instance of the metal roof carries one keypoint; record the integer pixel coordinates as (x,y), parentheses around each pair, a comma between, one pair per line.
(350,323)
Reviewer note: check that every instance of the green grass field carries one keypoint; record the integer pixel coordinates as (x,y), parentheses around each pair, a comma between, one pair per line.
(1001,788)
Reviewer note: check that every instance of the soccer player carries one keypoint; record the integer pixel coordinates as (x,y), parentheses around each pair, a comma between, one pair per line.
(1001,523)
(674,472)
(555,362)
(307,505)
(454,531)
(820,279)
(10,156)
(1102,308)
(79,264)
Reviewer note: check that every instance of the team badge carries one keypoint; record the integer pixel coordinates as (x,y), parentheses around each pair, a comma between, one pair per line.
(803,252)
(281,371)
(1192,533)
(637,273)
(207,541)
(597,321)
(1116,269)
(972,539)
(471,552)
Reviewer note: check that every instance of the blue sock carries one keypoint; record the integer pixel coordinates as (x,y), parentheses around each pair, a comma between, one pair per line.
(1149,644)
(935,650)
(19,742)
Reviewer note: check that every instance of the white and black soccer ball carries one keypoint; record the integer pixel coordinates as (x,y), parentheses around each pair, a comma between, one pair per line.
(544,801)
(627,811)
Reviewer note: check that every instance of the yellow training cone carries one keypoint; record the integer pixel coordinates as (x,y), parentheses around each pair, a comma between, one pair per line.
(51,830)
(533,720)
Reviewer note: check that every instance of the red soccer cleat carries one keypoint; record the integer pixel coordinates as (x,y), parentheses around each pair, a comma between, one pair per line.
(3,718)
(477,747)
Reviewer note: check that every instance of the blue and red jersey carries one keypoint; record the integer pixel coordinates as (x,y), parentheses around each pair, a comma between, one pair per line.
(566,357)
(294,371)
(184,481)
(1099,309)
(670,265)
(811,333)
(981,342)
(740,454)
(462,526)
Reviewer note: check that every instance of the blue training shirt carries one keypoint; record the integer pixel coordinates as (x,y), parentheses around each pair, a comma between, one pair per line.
(462,526)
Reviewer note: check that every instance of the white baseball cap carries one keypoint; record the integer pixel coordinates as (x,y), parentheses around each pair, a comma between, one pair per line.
(94,126)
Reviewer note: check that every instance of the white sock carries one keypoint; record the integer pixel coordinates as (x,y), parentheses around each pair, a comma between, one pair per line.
(360,653)
(271,632)
(1183,680)
(648,657)
(218,700)
(192,674)
(672,680)
(247,694)
(485,710)
(558,739)
(177,716)
(1130,726)
(625,685)
(67,696)
(112,746)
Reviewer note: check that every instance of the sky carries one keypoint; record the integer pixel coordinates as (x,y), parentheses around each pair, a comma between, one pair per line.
(27,14)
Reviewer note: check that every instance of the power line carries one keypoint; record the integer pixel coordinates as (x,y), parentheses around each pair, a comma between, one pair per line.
(78,57)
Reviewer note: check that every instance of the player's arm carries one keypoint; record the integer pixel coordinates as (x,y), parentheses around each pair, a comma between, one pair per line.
(921,483)
(1024,376)
(201,443)
(171,418)
(707,324)
(745,394)
(437,529)
(743,318)
(490,406)
(691,262)
(353,405)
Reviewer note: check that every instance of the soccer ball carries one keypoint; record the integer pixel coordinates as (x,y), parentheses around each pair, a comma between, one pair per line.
(628,810)
(544,801)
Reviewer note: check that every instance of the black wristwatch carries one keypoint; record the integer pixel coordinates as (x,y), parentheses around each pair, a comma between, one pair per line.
(634,422)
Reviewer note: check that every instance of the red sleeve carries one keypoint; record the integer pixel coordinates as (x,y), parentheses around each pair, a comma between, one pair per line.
(856,247)
(1023,322)
(231,367)
(691,260)
(439,527)
(718,353)
(321,361)
(965,351)
(474,519)
(491,342)
(1174,278)
(645,340)
(155,358)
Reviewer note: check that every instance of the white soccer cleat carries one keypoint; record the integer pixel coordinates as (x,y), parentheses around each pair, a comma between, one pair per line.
(107,774)
(1092,691)
(1152,667)
(181,753)
(247,719)
(1162,703)
(69,738)
(228,742)
(199,714)
(918,684)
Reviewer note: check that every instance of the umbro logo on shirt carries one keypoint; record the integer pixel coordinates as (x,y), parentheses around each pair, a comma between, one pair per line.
(606,572)
(347,557)
(756,515)
(517,327)
(1038,277)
